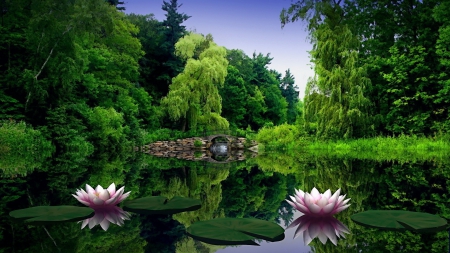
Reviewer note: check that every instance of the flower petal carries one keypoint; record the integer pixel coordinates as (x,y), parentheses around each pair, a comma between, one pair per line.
(327,194)
(104,224)
(81,201)
(89,189)
(315,193)
(112,189)
(122,197)
(308,199)
(306,238)
(85,222)
(99,189)
(98,201)
(322,202)
(313,229)
(291,203)
(119,192)
(104,195)
(328,208)
(341,208)
(313,208)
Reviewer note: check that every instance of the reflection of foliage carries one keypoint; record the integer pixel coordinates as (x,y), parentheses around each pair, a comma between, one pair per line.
(118,239)
(161,233)
(22,149)
(208,190)
(263,194)
(189,245)
(20,163)
(415,186)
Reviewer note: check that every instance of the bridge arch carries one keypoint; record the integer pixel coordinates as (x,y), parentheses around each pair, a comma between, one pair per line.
(228,137)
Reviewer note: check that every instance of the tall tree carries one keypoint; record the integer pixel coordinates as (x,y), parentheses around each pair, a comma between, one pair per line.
(340,107)
(234,98)
(289,91)
(268,82)
(441,14)
(402,57)
(115,3)
(172,31)
(194,95)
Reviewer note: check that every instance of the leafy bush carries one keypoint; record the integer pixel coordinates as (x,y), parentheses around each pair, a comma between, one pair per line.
(198,143)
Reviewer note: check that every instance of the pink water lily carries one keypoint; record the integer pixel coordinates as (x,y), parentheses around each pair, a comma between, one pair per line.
(105,216)
(100,197)
(324,228)
(318,204)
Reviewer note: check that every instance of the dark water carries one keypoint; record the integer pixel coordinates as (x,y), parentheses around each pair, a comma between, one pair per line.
(255,188)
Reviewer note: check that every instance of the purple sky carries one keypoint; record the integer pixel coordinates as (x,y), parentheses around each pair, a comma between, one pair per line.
(249,25)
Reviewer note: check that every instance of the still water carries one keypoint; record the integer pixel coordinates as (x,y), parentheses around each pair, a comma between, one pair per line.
(256,187)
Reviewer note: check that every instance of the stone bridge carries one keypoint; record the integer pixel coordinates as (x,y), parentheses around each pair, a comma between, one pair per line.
(228,137)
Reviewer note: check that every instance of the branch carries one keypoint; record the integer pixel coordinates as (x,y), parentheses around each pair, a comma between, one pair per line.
(51,52)
(51,237)
(46,60)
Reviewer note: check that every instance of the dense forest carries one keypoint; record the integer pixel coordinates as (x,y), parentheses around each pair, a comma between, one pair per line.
(381,67)
(82,73)
(82,82)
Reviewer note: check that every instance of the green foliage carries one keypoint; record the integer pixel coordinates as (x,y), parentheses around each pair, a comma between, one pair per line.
(107,128)
(197,143)
(279,136)
(194,92)
(289,91)
(22,149)
(234,95)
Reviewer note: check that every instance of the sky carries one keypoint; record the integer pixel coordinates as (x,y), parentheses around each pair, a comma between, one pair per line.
(249,25)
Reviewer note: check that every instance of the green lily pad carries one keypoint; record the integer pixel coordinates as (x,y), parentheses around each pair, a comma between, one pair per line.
(42,215)
(235,231)
(399,220)
(161,205)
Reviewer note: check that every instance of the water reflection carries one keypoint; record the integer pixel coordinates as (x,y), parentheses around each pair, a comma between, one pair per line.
(105,216)
(220,149)
(324,228)
(252,188)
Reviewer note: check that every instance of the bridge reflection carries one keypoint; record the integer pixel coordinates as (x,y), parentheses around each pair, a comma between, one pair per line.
(218,153)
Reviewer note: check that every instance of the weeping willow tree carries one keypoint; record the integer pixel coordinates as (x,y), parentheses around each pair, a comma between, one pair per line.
(335,106)
(193,95)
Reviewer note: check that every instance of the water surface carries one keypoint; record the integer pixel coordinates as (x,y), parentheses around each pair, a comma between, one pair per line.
(256,187)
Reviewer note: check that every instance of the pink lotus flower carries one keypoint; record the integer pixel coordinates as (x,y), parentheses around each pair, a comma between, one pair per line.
(105,216)
(100,198)
(317,204)
(324,228)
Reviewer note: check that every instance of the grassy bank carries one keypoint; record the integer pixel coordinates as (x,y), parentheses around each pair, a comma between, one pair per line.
(287,137)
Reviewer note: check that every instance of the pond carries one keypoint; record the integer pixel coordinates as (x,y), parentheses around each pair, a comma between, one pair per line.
(256,187)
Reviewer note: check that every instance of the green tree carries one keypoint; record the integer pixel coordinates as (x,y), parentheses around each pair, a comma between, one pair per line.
(256,107)
(289,91)
(115,3)
(268,82)
(340,107)
(234,98)
(193,94)
(401,55)
(172,31)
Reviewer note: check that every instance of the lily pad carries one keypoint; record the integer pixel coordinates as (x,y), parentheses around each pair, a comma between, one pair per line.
(235,231)
(42,215)
(399,220)
(161,205)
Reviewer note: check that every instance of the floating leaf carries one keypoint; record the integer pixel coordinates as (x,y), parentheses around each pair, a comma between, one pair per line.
(400,220)
(235,231)
(42,215)
(161,205)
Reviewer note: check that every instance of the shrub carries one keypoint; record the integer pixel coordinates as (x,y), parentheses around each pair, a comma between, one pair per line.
(198,143)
